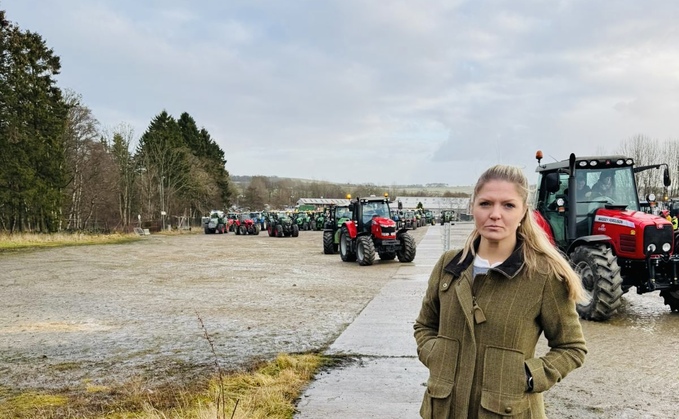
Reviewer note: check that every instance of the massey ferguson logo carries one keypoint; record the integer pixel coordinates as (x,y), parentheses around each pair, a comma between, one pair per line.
(602,228)
(611,220)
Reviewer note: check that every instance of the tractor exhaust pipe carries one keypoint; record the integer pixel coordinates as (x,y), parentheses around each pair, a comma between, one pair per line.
(572,210)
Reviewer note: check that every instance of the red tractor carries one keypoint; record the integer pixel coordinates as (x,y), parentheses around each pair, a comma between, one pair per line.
(245,224)
(371,230)
(589,207)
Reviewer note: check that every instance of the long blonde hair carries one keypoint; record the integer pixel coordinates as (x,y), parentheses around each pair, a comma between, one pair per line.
(540,255)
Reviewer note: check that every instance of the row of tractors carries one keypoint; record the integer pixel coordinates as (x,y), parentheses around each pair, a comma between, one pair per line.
(277,223)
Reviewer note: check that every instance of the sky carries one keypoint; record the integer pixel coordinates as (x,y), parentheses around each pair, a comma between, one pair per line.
(389,92)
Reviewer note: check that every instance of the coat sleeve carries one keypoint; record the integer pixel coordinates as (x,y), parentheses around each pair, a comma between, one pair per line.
(561,324)
(427,322)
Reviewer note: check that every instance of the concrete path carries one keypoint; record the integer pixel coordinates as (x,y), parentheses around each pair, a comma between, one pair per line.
(387,380)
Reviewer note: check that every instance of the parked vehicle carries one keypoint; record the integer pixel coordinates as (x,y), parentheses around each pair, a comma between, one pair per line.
(280,224)
(371,231)
(245,224)
(337,215)
(215,222)
(611,243)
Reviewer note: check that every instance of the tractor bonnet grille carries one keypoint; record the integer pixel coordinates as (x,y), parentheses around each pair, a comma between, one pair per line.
(387,230)
(628,243)
(653,235)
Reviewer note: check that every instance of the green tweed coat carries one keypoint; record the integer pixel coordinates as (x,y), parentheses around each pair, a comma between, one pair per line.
(478,342)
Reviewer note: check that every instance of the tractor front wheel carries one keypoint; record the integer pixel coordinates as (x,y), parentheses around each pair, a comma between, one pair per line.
(295,230)
(279,230)
(671,299)
(328,243)
(346,253)
(599,272)
(408,248)
(365,251)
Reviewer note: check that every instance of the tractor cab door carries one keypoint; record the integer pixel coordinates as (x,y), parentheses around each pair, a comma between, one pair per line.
(554,213)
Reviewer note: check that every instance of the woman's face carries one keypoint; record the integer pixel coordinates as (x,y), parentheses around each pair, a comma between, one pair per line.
(498,210)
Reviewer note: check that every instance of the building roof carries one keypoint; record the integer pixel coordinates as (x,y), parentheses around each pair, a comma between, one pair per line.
(322,201)
(435,202)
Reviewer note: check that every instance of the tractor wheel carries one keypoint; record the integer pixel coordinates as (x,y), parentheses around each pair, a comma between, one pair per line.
(207,230)
(599,272)
(345,246)
(295,230)
(243,230)
(365,251)
(256,230)
(270,230)
(671,299)
(328,244)
(388,255)
(408,248)
(279,230)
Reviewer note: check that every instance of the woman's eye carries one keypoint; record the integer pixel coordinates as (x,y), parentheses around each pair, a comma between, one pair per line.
(510,205)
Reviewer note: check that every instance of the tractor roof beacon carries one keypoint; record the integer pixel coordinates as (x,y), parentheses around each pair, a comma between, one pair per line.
(612,245)
(371,230)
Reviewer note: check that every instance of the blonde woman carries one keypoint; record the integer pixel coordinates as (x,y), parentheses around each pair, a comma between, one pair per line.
(486,306)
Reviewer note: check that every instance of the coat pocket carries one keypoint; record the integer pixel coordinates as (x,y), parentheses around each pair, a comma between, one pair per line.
(504,382)
(442,360)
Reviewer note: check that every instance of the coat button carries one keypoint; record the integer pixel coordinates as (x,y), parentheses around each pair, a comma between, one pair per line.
(508,409)
(445,285)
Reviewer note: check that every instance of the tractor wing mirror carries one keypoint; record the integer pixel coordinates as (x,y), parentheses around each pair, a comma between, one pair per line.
(552,182)
(666,177)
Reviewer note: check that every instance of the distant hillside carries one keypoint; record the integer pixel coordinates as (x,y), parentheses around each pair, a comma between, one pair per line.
(432,188)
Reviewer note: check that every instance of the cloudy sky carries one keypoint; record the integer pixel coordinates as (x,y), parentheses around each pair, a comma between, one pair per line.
(385,91)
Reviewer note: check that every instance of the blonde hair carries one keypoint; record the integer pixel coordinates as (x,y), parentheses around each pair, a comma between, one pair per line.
(539,254)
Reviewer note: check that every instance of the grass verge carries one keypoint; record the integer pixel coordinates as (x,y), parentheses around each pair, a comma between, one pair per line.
(20,241)
(267,390)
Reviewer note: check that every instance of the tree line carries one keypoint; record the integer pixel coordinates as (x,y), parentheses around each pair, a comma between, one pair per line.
(60,172)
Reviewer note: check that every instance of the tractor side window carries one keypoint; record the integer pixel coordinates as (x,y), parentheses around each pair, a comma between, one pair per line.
(561,193)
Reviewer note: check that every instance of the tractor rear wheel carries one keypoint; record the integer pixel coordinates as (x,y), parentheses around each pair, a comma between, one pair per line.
(328,243)
(599,272)
(346,253)
(256,229)
(365,251)
(408,248)
(243,230)
(671,299)
(279,230)
(295,230)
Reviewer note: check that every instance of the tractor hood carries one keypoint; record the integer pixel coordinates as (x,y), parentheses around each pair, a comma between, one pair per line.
(629,218)
(634,234)
(384,222)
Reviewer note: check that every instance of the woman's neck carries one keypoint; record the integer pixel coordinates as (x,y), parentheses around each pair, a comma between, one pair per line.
(494,251)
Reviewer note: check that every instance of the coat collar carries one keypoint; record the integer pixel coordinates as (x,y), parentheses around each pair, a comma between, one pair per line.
(509,268)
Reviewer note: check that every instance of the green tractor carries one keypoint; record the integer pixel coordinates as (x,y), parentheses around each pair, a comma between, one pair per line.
(280,224)
(302,220)
(318,219)
(429,217)
(215,222)
(447,216)
(335,216)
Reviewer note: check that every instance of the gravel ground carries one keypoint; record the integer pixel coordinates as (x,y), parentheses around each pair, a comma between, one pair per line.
(106,314)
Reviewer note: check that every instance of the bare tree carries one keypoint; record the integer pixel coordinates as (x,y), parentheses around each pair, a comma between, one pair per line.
(80,136)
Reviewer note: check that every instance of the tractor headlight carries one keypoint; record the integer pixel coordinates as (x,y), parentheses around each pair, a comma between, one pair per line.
(651,248)
(666,247)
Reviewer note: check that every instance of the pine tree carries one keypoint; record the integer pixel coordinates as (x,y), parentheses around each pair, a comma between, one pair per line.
(32,123)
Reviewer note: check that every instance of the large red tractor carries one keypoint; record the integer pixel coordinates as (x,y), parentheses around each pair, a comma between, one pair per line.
(371,230)
(612,245)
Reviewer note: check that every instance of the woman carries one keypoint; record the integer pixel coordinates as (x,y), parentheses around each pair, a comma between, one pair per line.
(486,306)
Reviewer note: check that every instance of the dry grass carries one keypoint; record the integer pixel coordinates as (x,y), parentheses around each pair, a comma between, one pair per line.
(269,390)
(31,241)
